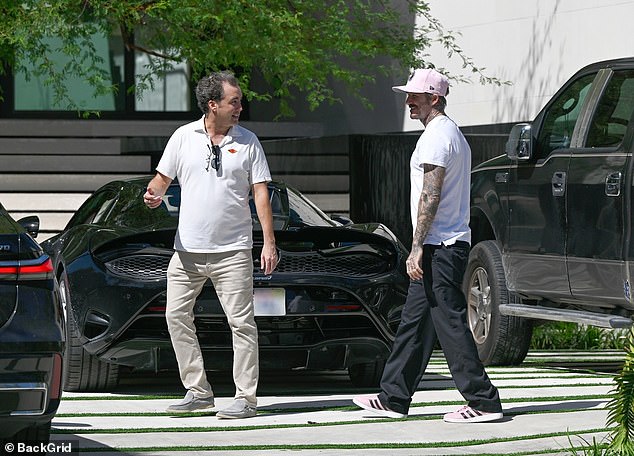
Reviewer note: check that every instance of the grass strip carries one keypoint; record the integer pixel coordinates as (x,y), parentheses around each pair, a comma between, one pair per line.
(522,373)
(344,408)
(310,424)
(439,388)
(353,446)
(143,397)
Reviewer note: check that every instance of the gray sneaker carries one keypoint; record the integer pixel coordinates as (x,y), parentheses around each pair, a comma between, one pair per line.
(239,409)
(191,403)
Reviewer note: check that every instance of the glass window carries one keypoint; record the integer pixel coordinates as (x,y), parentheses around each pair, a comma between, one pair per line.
(33,94)
(131,212)
(172,200)
(168,88)
(613,112)
(303,212)
(561,117)
(96,206)
(102,213)
(168,92)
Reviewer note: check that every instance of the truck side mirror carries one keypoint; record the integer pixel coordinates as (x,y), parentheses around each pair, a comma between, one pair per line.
(519,144)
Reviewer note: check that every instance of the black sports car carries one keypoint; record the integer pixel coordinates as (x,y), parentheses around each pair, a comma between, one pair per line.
(31,334)
(333,302)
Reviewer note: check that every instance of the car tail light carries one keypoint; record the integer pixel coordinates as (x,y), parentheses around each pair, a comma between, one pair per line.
(38,269)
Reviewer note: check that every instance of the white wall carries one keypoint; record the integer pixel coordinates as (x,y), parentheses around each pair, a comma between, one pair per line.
(535,44)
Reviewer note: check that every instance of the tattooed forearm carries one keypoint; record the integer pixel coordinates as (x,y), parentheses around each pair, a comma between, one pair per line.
(428,204)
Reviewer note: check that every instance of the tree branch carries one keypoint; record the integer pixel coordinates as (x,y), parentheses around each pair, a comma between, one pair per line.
(128,41)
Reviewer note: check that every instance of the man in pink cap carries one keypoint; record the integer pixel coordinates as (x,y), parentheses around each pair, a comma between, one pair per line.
(436,308)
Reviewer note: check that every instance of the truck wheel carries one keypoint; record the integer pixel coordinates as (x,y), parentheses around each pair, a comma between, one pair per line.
(82,371)
(501,339)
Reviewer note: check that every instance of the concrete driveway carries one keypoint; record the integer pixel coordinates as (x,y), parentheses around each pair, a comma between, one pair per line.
(552,401)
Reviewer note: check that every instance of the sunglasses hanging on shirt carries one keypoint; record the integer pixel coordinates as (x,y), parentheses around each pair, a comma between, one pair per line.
(212,150)
(214,161)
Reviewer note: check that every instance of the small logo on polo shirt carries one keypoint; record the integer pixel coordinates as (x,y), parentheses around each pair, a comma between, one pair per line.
(233,151)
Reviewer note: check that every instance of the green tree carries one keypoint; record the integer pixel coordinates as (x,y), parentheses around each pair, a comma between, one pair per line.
(296,46)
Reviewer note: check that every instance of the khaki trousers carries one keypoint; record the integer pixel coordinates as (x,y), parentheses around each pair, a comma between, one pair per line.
(232,276)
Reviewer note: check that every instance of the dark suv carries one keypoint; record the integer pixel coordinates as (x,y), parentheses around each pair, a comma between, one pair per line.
(552,219)
(31,334)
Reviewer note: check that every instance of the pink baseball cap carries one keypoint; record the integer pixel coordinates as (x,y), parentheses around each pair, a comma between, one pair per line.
(425,81)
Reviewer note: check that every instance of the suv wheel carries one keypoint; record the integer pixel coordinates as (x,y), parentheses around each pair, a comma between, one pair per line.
(501,339)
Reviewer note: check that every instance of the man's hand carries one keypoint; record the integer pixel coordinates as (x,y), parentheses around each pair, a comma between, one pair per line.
(152,200)
(415,263)
(268,258)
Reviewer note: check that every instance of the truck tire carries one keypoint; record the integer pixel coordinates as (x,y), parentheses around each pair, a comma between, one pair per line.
(501,340)
(83,371)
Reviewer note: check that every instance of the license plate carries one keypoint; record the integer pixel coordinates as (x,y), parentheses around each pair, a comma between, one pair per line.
(269,302)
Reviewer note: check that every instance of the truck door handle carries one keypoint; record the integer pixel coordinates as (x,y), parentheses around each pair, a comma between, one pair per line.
(613,184)
(559,183)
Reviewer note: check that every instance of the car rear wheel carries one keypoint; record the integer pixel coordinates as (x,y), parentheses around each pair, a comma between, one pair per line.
(82,371)
(366,374)
(501,339)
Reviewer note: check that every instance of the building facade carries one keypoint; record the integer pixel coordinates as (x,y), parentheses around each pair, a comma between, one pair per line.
(535,45)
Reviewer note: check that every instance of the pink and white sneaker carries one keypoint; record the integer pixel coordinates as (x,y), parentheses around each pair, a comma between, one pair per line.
(469,415)
(373,404)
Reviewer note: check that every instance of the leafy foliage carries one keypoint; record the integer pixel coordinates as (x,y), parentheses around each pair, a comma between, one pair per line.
(621,407)
(565,336)
(595,448)
(295,45)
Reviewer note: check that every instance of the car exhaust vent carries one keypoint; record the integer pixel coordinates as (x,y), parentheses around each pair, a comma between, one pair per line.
(357,265)
(96,325)
(139,267)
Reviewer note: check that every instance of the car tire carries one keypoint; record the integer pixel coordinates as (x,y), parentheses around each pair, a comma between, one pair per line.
(366,375)
(501,340)
(83,371)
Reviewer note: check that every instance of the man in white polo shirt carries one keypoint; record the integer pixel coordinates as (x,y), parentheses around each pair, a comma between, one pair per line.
(436,307)
(217,163)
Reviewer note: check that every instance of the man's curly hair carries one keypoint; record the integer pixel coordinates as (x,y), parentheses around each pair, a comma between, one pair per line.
(209,88)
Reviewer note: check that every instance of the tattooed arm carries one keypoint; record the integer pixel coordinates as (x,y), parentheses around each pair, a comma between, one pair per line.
(427,207)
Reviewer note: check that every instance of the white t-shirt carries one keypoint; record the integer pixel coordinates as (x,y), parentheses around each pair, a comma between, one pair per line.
(443,144)
(214,210)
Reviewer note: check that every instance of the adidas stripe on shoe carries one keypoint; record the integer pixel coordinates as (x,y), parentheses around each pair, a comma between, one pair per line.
(373,404)
(469,415)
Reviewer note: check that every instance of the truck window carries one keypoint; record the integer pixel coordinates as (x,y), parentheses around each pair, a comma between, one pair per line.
(561,117)
(614,110)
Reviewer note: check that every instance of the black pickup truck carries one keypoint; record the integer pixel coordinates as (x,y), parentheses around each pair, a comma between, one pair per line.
(552,218)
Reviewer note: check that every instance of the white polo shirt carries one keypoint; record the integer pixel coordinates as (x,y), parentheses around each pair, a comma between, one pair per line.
(214,210)
(443,144)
